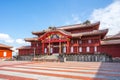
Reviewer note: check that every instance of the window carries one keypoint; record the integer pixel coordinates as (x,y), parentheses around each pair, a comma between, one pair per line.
(37,44)
(80,49)
(72,49)
(64,49)
(80,41)
(88,49)
(45,50)
(4,54)
(95,48)
(51,50)
(89,41)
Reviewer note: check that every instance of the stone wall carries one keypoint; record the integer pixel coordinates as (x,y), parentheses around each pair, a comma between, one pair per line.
(88,57)
(25,58)
(75,57)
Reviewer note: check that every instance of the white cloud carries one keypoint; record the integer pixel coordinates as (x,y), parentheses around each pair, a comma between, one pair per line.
(14,49)
(20,41)
(75,19)
(6,38)
(108,16)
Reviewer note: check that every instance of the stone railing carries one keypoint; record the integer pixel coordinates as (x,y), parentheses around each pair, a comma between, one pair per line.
(87,57)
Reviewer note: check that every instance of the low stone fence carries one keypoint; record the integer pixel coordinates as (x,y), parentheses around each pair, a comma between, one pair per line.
(116,59)
(87,57)
(45,60)
(25,58)
(71,57)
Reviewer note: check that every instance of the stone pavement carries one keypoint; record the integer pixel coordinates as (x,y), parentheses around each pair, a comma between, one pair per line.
(22,70)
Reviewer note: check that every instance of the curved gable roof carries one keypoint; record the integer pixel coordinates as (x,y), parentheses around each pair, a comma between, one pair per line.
(62,32)
(113,37)
(78,26)
(95,32)
(31,39)
(110,42)
(74,26)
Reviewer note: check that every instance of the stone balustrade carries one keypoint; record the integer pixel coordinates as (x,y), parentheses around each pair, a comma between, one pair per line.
(88,57)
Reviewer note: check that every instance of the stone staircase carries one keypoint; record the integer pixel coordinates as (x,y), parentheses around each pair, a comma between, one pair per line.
(48,58)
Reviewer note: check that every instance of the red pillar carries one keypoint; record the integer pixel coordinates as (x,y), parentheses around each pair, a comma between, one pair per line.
(77,46)
(59,47)
(68,47)
(42,48)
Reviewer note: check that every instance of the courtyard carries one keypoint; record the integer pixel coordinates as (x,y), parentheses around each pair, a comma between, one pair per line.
(27,70)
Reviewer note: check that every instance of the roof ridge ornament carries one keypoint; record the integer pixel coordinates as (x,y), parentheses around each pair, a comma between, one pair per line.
(52,28)
(86,22)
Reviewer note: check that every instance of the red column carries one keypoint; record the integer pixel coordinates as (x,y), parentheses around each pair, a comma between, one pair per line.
(49,49)
(60,47)
(68,47)
(42,48)
(77,47)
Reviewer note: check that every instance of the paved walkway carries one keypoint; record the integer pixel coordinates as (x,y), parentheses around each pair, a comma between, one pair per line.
(22,70)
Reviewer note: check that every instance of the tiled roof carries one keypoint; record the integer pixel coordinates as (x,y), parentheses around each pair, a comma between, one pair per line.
(31,39)
(115,39)
(108,36)
(95,32)
(69,27)
(78,26)
(117,36)
(24,47)
(5,46)
(109,42)
(65,32)
(38,32)
(57,30)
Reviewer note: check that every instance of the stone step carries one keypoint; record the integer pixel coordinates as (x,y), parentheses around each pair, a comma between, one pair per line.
(47,58)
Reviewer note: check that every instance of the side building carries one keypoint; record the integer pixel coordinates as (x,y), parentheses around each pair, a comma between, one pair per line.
(5,51)
(78,39)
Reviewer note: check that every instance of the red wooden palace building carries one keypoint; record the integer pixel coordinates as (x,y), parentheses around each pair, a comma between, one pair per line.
(83,38)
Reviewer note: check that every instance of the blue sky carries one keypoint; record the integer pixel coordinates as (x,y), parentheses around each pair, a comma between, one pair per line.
(18,18)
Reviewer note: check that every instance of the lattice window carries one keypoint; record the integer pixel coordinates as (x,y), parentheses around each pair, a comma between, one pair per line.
(71,49)
(95,48)
(64,49)
(87,49)
(80,49)
(89,41)
(80,41)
